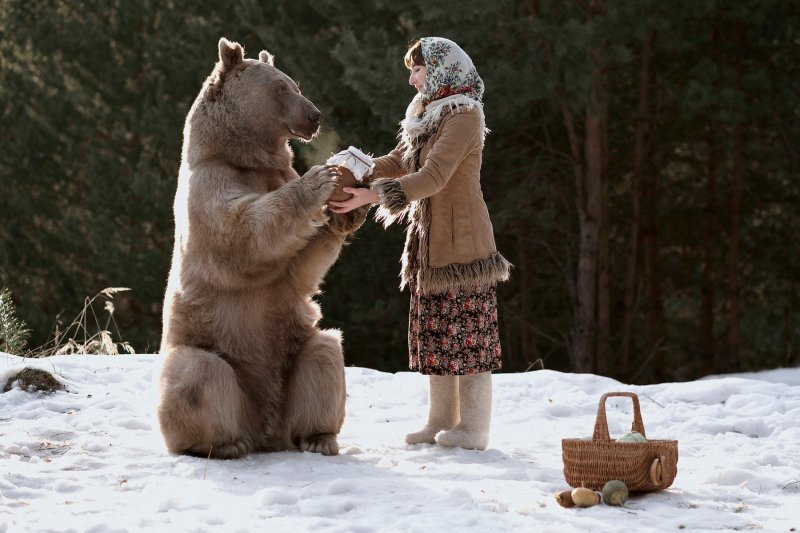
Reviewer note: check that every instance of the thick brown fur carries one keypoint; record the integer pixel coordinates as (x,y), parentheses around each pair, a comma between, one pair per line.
(245,367)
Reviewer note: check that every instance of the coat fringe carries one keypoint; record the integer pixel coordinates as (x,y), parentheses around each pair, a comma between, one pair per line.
(394,203)
(481,273)
(435,280)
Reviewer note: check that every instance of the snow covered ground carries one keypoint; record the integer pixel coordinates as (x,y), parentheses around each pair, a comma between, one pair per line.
(91,458)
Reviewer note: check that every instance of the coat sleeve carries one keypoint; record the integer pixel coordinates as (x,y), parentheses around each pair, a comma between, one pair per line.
(389,165)
(460,135)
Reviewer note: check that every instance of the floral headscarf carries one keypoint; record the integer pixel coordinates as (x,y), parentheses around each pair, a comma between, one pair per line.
(450,71)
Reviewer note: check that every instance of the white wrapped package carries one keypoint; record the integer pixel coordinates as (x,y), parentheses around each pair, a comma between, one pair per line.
(359,163)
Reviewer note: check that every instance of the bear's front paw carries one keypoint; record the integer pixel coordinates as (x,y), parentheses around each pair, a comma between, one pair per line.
(320,182)
(324,443)
(348,222)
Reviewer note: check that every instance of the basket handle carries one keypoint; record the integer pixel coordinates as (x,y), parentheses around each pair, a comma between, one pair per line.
(657,471)
(601,424)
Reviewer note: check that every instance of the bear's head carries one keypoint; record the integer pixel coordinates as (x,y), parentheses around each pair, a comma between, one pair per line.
(256,101)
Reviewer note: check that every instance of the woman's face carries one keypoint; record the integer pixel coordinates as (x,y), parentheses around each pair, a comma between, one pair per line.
(417,77)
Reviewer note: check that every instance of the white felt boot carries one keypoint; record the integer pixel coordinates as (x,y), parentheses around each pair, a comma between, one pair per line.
(443,413)
(475,397)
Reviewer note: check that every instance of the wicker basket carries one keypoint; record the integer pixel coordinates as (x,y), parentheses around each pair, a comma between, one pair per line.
(642,466)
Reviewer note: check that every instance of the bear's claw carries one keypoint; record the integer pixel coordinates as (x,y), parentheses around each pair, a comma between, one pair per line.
(321,180)
(324,443)
(232,450)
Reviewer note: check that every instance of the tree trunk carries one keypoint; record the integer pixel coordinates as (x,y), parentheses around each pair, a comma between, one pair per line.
(590,215)
(522,272)
(582,329)
(641,133)
(584,333)
(734,282)
(588,167)
(603,284)
(651,233)
(787,337)
(603,263)
(734,278)
(708,363)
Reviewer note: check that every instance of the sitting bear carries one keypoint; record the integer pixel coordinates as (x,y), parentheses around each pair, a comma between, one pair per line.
(245,367)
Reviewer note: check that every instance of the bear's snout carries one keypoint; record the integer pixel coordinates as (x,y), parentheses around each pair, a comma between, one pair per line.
(313,117)
(309,127)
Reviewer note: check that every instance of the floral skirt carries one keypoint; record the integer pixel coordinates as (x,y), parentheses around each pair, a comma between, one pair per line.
(454,333)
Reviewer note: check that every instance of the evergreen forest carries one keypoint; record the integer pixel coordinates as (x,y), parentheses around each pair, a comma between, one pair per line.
(641,172)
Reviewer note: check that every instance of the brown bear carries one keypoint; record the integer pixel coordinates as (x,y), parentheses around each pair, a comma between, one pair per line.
(245,367)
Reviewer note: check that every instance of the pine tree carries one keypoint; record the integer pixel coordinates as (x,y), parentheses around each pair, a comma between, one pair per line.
(14,332)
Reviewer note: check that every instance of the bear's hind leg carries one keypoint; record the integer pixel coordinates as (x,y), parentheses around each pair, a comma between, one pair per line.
(315,394)
(201,407)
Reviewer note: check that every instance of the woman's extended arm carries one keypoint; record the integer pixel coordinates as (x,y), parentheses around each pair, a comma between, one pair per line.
(389,165)
(361,196)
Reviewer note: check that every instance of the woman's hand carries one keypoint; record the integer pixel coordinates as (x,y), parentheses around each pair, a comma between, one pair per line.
(361,196)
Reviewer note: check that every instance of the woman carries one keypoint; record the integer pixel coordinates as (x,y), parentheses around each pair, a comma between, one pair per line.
(450,262)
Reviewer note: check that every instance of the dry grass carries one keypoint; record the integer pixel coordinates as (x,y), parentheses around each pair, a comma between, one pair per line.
(86,335)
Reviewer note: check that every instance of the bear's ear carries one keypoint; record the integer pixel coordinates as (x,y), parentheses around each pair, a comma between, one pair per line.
(267,58)
(230,53)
